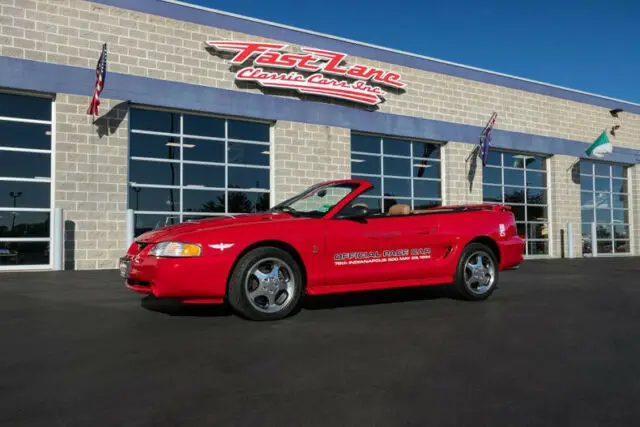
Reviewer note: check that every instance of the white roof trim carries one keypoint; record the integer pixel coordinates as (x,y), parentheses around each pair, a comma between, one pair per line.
(329,36)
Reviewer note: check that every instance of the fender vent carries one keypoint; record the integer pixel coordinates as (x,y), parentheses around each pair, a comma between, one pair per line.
(138,283)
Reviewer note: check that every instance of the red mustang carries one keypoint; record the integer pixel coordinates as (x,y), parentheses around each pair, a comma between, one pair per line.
(324,240)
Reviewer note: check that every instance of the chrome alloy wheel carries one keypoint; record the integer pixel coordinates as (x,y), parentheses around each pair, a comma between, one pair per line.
(270,285)
(479,272)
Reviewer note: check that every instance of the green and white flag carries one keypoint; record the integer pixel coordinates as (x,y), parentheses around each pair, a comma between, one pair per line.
(601,146)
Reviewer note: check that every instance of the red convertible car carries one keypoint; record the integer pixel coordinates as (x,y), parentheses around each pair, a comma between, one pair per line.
(324,240)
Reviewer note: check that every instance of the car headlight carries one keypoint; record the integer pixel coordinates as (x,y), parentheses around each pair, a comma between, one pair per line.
(176,249)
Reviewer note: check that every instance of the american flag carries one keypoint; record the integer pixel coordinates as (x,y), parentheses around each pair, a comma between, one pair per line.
(101,74)
(485,139)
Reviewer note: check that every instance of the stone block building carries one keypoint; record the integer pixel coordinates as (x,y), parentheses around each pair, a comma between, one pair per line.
(207,113)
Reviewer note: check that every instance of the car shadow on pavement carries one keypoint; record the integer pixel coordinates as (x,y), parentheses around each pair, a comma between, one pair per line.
(178,309)
(320,302)
(172,307)
(386,296)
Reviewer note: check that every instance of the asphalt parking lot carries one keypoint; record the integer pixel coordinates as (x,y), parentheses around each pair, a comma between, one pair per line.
(557,345)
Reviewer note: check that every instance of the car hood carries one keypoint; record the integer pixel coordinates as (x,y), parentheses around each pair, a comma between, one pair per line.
(174,231)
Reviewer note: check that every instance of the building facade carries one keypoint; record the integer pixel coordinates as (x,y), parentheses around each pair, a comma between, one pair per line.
(206,113)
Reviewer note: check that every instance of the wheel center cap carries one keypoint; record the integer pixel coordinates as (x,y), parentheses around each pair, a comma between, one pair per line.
(270,284)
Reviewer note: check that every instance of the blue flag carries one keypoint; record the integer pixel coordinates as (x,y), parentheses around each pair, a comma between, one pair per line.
(485,140)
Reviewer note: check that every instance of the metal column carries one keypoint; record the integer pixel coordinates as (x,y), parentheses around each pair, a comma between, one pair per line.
(57,241)
(130,227)
(570,240)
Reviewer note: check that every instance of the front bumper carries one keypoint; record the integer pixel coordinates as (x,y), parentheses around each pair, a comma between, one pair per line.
(182,278)
(124,267)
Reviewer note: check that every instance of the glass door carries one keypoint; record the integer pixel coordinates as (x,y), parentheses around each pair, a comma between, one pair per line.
(25,181)
(604,199)
(520,180)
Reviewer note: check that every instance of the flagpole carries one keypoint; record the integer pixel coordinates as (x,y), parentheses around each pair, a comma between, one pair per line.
(574,164)
(473,152)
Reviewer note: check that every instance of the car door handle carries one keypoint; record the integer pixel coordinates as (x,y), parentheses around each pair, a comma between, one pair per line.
(428,230)
(386,235)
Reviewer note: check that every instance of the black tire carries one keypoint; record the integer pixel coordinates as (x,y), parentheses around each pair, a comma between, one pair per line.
(238,293)
(465,290)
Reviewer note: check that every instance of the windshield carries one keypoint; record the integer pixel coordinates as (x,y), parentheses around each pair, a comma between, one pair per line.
(317,200)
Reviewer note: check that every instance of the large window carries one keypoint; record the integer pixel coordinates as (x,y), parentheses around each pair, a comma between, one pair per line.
(25,181)
(520,181)
(401,170)
(604,201)
(184,167)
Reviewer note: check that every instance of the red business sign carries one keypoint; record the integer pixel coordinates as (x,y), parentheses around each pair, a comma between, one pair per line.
(316,61)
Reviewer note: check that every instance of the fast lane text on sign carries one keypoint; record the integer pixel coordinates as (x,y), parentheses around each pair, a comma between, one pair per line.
(316,61)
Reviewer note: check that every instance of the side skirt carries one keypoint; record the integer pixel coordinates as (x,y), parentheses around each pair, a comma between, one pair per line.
(372,286)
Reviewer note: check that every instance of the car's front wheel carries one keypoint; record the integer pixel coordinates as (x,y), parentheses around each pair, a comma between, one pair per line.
(266,284)
(477,272)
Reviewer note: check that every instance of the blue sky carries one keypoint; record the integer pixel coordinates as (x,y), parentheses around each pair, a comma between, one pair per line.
(587,45)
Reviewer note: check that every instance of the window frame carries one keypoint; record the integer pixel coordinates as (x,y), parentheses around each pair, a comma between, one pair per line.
(525,204)
(592,176)
(40,179)
(410,177)
(180,136)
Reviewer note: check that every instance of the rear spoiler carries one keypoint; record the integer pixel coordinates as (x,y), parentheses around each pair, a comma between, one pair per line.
(485,206)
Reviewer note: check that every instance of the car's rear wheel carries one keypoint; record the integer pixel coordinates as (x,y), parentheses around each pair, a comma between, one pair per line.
(477,272)
(266,284)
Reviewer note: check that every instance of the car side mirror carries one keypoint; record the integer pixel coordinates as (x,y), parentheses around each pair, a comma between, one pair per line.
(360,211)
(356,212)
